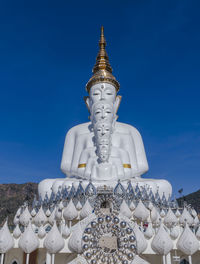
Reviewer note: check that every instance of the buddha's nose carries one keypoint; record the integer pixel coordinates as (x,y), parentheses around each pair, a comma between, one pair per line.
(102,96)
(103,115)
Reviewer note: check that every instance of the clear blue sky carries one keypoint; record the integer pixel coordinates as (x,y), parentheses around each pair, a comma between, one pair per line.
(47,51)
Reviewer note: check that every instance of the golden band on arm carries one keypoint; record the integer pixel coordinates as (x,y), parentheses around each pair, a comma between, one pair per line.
(127,166)
(82,165)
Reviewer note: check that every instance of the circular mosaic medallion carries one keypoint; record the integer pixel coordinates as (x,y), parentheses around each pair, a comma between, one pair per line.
(109,240)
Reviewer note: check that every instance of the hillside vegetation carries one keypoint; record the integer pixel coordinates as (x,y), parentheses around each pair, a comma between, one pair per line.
(193,199)
(12,196)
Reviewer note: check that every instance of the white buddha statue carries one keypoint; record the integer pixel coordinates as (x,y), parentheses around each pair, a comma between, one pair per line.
(103,87)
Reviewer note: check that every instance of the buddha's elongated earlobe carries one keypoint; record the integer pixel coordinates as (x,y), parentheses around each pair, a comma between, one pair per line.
(117,103)
(114,122)
(87,102)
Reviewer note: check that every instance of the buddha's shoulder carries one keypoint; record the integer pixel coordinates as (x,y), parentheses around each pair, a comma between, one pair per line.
(126,128)
(80,129)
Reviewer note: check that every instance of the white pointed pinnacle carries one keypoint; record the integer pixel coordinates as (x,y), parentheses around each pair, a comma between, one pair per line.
(188,242)
(54,241)
(124,209)
(61,206)
(194,213)
(58,213)
(196,220)
(18,211)
(51,218)
(25,217)
(132,206)
(17,215)
(150,206)
(28,241)
(149,232)
(140,239)
(41,232)
(48,212)
(186,216)
(162,213)
(6,240)
(157,222)
(17,232)
(141,212)
(16,220)
(75,241)
(40,218)
(70,213)
(177,214)
(154,214)
(86,210)
(162,243)
(79,206)
(174,233)
(170,218)
(66,231)
(33,212)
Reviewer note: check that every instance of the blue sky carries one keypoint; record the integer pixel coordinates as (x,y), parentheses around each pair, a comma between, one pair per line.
(47,51)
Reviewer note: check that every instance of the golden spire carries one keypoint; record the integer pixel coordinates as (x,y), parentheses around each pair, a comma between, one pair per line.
(102,71)
(102,61)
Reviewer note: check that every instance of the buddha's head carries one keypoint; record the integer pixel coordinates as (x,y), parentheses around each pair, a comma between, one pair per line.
(102,85)
(102,91)
(103,130)
(102,111)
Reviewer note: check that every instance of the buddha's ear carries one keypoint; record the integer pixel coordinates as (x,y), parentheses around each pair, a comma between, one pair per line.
(87,102)
(113,123)
(117,103)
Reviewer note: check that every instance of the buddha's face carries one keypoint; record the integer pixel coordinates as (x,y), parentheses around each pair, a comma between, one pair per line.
(103,129)
(102,111)
(102,91)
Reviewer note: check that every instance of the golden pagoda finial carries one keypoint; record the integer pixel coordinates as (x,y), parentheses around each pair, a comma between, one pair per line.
(102,42)
(102,61)
(102,69)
